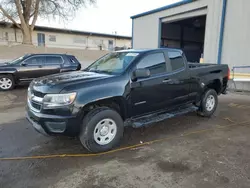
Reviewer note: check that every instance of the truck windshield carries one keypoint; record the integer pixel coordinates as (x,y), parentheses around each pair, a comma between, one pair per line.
(113,63)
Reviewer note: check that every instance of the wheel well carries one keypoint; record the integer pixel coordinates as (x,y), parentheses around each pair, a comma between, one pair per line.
(13,76)
(115,103)
(216,85)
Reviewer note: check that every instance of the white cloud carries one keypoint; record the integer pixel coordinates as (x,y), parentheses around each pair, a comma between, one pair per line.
(108,16)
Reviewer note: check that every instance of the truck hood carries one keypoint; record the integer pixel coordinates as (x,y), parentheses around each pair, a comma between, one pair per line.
(55,83)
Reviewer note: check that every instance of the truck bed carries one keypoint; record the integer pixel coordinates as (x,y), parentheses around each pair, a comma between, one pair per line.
(210,72)
(206,69)
(198,65)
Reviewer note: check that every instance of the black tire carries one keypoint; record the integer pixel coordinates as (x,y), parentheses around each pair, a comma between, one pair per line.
(91,121)
(204,110)
(10,78)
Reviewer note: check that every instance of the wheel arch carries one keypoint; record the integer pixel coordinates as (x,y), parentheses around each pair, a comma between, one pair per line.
(216,84)
(116,103)
(12,73)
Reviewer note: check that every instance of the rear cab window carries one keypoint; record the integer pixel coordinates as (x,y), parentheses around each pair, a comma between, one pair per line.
(155,62)
(176,60)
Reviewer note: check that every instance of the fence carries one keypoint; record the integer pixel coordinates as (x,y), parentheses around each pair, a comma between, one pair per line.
(240,78)
(241,73)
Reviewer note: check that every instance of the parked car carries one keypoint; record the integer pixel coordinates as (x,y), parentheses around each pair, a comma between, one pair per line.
(24,69)
(125,88)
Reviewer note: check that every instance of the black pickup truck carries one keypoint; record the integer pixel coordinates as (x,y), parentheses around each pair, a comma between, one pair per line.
(124,88)
(25,68)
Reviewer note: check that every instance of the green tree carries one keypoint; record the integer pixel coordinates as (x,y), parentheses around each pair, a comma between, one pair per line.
(24,13)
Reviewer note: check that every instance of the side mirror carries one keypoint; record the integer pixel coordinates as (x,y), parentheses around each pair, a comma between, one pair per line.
(23,64)
(140,73)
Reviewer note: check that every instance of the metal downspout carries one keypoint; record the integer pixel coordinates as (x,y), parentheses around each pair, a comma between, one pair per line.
(222,27)
(132,41)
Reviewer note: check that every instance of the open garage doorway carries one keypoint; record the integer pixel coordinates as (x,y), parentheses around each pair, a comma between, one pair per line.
(186,34)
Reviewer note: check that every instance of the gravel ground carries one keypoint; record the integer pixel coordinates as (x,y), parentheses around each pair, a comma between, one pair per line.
(187,151)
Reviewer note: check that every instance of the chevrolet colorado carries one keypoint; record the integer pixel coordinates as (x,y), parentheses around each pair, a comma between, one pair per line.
(124,88)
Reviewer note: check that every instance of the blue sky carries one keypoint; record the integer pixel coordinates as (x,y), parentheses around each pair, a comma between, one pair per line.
(108,16)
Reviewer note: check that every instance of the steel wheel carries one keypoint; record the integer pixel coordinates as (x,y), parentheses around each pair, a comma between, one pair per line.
(210,103)
(5,83)
(105,131)
(102,129)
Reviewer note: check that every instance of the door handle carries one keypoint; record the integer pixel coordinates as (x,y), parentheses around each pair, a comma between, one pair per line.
(166,80)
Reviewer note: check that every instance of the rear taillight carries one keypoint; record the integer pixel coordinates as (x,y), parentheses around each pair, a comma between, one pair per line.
(228,74)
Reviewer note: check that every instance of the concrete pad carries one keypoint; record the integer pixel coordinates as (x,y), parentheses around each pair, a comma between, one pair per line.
(190,152)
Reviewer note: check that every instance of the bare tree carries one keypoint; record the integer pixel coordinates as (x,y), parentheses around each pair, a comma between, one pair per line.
(24,13)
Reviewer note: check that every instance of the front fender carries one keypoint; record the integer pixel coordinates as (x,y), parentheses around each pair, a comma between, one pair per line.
(7,71)
(94,94)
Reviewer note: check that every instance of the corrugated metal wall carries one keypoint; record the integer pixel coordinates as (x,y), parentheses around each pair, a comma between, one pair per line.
(236,48)
(146,28)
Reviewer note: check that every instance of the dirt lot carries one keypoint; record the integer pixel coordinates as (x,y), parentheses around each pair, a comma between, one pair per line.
(187,151)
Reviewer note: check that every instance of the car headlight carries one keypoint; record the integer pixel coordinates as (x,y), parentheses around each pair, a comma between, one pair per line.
(28,94)
(58,100)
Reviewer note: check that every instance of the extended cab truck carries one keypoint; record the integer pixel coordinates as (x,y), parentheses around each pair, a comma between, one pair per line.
(124,88)
(25,68)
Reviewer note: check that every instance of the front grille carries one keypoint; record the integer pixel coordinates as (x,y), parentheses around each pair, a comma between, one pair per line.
(36,106)
(38,94)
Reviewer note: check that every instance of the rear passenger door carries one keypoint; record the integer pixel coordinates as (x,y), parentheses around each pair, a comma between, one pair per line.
(53,64)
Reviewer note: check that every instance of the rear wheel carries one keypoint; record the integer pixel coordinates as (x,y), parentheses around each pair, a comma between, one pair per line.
(102,130)
(209,103)
(6,82)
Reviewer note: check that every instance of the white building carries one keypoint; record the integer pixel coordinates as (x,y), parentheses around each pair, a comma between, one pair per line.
(219,30)
(64,38)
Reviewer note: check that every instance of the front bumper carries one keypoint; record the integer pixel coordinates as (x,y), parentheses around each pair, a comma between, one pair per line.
(47,124)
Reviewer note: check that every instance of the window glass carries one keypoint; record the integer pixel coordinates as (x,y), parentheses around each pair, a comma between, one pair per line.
(154,62)
(53,60)
(52,38)
(176,60)
(39,60)
(113,63)
(18,60)
(79,40)
(72,60)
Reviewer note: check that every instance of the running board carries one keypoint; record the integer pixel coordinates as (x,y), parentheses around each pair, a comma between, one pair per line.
(160,116)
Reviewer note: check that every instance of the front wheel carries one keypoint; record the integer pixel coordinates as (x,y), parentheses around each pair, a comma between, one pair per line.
(102,130)
(209,103)
(6,82)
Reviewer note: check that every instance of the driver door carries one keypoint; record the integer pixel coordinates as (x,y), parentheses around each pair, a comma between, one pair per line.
(31,68)
(150,94)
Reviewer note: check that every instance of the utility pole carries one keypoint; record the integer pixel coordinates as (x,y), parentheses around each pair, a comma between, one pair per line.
(115,38)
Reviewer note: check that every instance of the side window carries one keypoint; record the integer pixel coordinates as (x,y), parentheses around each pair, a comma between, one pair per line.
(39,60)
(154,62)
(53,60)
(176,60)
(71,61)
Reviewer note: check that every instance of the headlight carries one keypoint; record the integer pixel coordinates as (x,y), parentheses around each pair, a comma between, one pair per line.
(28,94)
(58,100)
